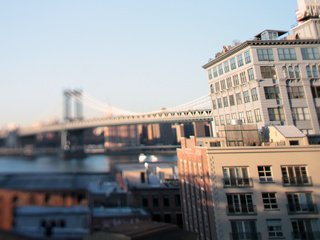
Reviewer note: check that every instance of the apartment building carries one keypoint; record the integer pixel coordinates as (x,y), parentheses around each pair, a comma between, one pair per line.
(273,79)
(258,192)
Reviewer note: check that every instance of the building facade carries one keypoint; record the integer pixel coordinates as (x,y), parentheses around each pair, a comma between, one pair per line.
(268,82)
(273,79)
(260,192)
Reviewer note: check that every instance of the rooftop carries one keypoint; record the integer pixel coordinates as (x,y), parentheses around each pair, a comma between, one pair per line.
(144,231)
(45,210)
(289,131)
(118,212)
(257,43)
(50,181)
(101,187)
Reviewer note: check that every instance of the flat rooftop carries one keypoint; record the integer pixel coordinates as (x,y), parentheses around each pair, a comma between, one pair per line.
(50,181)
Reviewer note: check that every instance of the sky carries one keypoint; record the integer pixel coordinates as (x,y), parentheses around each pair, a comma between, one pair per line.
(138,55)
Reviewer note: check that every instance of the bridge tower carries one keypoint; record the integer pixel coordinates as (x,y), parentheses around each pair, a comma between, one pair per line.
(73,98)
(72,140)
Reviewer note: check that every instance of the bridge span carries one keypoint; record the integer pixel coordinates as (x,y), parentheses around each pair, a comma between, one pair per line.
(156,117)
(120,130)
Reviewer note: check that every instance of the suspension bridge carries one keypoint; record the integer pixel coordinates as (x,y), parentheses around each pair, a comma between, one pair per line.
(192,111)
(121,128)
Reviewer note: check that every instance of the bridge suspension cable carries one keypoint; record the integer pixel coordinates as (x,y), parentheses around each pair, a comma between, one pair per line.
(202,102)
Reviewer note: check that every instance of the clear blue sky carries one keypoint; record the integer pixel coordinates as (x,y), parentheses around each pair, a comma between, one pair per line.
(139,55)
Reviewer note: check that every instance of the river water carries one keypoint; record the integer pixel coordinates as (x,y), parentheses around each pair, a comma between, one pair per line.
(90,164)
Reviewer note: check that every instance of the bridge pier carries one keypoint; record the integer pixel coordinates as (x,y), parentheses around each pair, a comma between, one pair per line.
(197,129)
(72,145)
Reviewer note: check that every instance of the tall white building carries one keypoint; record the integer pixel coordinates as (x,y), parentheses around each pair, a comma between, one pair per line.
(273,79)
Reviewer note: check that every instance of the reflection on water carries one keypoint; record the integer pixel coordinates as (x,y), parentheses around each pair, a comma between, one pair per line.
(93,163)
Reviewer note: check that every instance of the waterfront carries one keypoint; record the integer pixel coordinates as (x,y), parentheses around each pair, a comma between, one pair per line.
(90,164)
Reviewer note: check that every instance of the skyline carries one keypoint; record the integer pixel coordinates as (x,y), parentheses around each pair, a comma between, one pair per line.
(116,51)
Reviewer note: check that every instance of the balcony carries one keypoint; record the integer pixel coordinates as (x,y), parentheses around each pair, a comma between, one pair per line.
(296,181)
(238,182)
(245,236)
(303,235)
(244,211)
(302,208)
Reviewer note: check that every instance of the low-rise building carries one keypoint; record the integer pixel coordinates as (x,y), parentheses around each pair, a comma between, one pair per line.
(154,187)
(251,192)
(52,222)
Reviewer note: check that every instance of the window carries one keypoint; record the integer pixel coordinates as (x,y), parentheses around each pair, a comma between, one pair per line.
(249,117)
(254,94)
(243,229)
(219,103)
(300,202)
(297,71)
(247,57)
(235,79)
(231,100)
(250,74)
(265,174)
(233,63)
(284,71)
(177,200)
(215,72)
(246,96)
(226,66)
(271,92)
(217,85)
(287,54)
(155,201)
(243,77)
(236,177)
(240,60)
(276,114)
(234,116)
(211,88)
(274,228)
(214,104)
(300,114)
(257,115)
(62,223)
(225,102)
(145,202)
(269,201)
(305,228)
(315,91)
(220,69)
(229,82)
(295,92)
(240,204)
(265,54)
(293,142)
(228,120)
(295,175)
(267,71)
(223,84)
(315,71)
(309,73)
(216,120)
(166,202)
(310,53)
(241,116)
(47,198)
(210,74)
(291,72)
(222,122)
(239,98)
